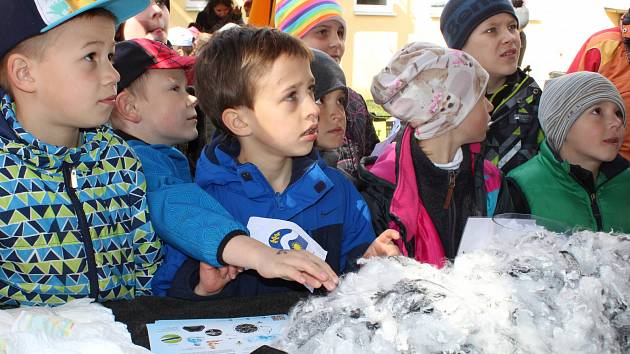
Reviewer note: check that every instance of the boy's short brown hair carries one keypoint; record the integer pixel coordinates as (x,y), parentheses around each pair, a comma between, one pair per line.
(35,47)
(229,66)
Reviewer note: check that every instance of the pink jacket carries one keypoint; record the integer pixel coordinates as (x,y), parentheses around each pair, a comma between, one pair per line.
(420,229)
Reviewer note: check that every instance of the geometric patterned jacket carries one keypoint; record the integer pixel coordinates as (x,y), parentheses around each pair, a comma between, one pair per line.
(73,221)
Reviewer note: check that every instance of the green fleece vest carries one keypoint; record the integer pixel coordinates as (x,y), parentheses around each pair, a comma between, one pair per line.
(553,194)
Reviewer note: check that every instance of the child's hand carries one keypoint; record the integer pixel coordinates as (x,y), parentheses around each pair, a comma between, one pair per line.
(384,245)
(299,266)
(212,280)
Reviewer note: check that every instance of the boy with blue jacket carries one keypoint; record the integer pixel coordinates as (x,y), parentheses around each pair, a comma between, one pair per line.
(73,216)
(257,88)
(153,113)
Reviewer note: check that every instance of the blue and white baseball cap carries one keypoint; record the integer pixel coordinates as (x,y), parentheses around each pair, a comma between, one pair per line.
(23,19)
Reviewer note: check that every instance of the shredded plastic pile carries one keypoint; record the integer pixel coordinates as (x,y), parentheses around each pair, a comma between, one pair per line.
(538,293)
(76,327)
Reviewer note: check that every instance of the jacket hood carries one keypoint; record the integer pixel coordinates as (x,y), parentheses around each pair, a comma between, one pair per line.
(15,140)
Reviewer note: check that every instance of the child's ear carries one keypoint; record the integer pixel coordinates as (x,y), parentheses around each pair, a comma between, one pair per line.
(20,72)
(126,107)
(235,120)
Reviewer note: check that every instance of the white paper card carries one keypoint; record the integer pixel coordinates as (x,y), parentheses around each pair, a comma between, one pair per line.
(477,233)
(285,235)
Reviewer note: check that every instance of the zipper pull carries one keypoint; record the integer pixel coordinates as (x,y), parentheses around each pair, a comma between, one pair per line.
(73,179)
(451,188)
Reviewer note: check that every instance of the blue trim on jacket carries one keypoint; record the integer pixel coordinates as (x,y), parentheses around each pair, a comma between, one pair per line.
(319,199)
(191,222)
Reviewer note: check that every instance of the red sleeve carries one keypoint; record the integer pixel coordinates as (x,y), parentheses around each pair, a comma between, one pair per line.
(586,60)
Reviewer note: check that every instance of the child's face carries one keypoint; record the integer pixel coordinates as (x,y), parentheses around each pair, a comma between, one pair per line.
(332,120)
(475,126)
(152,23)
(595,137)
(168,111)
(329,37)
(221,10)
(75,79)
(283,122)
(496,43)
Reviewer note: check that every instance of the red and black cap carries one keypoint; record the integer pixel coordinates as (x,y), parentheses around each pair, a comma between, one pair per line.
(134,57)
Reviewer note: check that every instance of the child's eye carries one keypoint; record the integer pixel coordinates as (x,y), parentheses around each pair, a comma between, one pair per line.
(341,33)
(319,101)
(512,27)
(619,114)
(311,91)
(291,96)
(110,57)
(323,32)
(491,30)
(342,101)
(176,88)
(90,57)
(596,110)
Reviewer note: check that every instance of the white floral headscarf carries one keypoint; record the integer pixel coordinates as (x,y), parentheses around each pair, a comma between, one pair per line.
(430,87)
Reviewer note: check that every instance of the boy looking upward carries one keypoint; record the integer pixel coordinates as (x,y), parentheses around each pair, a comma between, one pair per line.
(73,218)
(257,88)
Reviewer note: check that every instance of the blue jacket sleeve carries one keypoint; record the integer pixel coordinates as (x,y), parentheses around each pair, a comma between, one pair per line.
(358,233)
(183,214)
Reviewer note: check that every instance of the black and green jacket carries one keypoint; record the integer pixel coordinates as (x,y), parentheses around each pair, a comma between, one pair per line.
(515,135)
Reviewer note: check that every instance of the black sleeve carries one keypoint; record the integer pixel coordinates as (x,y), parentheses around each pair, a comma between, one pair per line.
(202,21)
(187,277)
(518,201)
(353,256)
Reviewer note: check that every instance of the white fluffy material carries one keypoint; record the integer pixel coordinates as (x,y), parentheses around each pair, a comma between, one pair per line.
(539,293)
(76,327)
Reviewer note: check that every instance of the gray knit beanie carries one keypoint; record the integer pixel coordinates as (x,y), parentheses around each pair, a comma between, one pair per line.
(328,74)
(565,98)
(460,17)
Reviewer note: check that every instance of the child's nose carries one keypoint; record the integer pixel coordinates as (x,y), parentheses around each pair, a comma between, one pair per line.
(156,9)
(111,76)
(312,109)
(510,36)
(193,101)
(616,121)
(339,113)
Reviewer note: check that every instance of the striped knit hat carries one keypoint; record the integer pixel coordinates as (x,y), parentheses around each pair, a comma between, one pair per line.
(297,17)
(565,98)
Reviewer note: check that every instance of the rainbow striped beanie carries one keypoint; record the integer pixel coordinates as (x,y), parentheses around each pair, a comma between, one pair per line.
(297,17)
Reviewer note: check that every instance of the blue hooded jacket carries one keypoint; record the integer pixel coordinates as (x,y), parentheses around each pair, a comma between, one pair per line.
(188,220)
(319,199)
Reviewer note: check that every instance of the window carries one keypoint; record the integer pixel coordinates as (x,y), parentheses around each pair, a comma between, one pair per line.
(195,5)
(436,8)
(374,7)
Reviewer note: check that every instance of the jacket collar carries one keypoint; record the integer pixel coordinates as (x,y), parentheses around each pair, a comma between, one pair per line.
(607,170)
(308,182)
